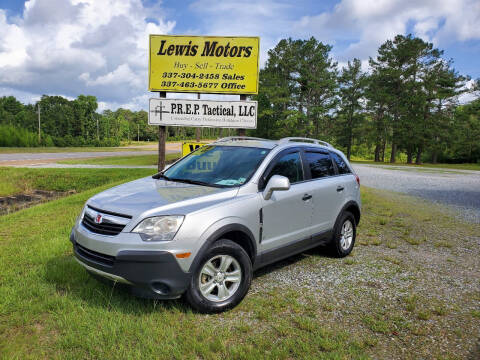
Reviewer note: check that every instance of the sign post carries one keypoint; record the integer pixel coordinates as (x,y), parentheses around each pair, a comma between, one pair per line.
(202,64)
(198,131)
(242,132)
(161,139)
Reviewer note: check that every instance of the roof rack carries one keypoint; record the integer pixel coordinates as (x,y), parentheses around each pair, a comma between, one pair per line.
(302,139)
(238,138)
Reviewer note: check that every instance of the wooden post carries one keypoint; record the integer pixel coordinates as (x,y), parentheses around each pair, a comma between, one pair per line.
(161,140)
(242,132)
(198,130)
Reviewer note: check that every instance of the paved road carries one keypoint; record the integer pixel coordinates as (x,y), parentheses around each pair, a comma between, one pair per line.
(43,158)
(84,166)
(459,189)
(68,155)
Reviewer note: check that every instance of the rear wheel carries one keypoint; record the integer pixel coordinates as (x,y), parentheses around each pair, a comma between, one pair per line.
(222,278)
(344,235)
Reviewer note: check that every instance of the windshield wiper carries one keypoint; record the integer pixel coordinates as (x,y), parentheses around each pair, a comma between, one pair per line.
(161,176)
(197,182)
(187,181)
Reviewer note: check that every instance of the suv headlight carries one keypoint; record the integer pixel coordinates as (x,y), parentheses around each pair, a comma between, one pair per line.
(159,228)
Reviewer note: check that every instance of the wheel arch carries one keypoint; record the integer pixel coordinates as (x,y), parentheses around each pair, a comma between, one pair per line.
(352,207)
(237,233)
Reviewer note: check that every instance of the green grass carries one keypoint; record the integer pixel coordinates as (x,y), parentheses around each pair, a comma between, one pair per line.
(423,166)
(51,308)
(20,180)
(133,160)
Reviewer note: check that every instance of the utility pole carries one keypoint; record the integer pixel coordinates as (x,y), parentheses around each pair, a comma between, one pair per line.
(98,136)
(39,135)
(138,132)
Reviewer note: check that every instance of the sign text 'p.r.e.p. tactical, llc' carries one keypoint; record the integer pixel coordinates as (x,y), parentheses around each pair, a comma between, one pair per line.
(203,113)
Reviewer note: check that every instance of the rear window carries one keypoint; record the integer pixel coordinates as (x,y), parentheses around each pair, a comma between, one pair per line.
(320,164)
(341,164)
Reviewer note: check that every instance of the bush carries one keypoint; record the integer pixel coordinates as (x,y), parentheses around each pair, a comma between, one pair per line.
(108,142)
(13,136)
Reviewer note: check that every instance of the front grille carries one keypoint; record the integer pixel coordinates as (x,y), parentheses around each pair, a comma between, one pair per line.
(94,256)
(106,226)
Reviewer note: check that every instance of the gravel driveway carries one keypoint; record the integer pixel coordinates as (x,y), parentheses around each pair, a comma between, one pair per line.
(459,189)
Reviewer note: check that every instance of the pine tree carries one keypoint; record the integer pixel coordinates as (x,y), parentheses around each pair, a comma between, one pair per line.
(352,82)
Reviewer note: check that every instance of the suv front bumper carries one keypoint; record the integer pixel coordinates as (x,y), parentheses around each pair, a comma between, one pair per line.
(151,274)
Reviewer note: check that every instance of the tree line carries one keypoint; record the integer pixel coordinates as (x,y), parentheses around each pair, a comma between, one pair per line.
(76,122)
(405,107)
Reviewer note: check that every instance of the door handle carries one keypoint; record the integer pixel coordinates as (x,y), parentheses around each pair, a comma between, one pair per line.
(340,188)
(306,197)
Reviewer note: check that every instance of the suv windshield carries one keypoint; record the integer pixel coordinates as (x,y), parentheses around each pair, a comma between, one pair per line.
(220,166)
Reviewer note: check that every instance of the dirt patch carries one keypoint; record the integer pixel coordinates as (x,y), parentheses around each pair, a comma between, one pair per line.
(17,202)
(27,162)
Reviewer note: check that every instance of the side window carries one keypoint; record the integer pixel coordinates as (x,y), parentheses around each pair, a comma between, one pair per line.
(290,166)
(341,164)
(320,164)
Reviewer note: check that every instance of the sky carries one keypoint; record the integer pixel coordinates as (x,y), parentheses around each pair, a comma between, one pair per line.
(100,47)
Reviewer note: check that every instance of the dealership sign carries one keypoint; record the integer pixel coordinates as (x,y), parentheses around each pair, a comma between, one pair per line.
(203,113)
(189,146)
(204,64)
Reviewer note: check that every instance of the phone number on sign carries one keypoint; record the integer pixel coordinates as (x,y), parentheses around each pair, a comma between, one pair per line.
(201,85)
(174,75)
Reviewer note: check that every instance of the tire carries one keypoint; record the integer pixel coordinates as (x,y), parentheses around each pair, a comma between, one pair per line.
(217,293)
(341,246)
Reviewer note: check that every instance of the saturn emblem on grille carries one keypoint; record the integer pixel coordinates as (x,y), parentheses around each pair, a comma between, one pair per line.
(98,219)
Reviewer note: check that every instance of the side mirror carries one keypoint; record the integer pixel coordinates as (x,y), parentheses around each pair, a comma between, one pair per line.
(276,183)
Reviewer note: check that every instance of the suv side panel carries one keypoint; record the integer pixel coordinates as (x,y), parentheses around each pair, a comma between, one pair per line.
(291,205)
(327,199)
(347,180)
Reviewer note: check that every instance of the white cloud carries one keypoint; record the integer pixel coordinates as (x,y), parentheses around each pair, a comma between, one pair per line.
(355,28)
(70,47)
(268,19)
(366,24)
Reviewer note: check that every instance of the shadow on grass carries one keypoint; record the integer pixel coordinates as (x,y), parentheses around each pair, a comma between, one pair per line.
(321,251)
(72,280)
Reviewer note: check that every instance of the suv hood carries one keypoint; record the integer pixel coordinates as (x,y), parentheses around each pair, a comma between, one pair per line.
(148,194)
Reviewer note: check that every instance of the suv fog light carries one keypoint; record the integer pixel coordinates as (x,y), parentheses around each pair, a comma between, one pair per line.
(160,288)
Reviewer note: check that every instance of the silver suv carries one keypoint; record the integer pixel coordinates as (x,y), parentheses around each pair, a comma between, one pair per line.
(203,225)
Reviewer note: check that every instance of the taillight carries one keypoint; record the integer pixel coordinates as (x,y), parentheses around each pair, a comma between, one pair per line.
(358,179)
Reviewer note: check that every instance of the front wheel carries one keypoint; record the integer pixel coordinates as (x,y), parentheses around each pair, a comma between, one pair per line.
(221,279)
(344,235)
